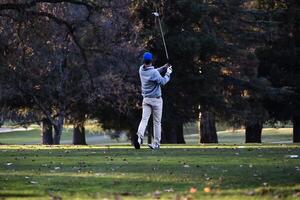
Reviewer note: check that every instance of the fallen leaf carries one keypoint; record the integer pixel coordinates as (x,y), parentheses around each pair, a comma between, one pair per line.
(56,198)
(296,194)
(250,193)
(193,190)
(169,190)
(125,193)
(207,189)
(292,156)
(118,197)
(265,184)
(157,194)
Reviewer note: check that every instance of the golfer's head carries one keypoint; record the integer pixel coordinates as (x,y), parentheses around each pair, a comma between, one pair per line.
(147,58)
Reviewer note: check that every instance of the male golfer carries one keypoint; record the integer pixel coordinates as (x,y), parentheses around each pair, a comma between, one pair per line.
(151,80)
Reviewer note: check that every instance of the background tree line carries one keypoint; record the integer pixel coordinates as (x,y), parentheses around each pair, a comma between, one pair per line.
(68,61)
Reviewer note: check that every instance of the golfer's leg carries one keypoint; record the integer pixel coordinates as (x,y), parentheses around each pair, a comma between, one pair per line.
(144,121)
(157,114)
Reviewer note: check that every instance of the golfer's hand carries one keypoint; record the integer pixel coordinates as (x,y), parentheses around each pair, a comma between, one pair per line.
(165,67)
(169,70)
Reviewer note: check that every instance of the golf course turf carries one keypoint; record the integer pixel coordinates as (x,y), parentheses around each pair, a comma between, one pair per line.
(173,172)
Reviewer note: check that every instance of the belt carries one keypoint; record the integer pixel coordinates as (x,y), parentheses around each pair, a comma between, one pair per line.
(153,97)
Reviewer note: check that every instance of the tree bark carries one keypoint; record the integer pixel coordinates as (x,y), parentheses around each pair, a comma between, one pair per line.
(172,133)
(58,128)
(208,131)
(79,134)
(296,129)
(253,133)
(1,120)
(179,131)
(47,132)
(57,134)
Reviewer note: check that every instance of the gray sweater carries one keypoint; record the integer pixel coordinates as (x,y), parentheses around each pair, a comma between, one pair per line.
(151,80)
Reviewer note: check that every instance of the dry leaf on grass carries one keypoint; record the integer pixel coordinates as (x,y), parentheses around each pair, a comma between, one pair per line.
(207,189)
(193,190)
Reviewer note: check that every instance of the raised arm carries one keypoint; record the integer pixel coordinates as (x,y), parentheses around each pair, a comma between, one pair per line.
(159,79)
(162,69)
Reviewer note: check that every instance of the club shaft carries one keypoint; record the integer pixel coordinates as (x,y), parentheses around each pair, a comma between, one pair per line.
(163,38)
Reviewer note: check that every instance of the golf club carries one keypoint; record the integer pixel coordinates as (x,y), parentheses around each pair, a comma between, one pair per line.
(156,14)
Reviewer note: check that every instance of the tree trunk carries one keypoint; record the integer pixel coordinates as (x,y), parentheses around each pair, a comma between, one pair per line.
(172,133)
(296,129)
(179,131)
(150,136)
(57,134)
(58,128)
(79,134)
(47,132)
(163,136)
(208,132)
(1,120)
(253,133)
(132,132)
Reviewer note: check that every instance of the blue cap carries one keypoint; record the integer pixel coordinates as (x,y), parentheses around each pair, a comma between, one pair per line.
(147,56)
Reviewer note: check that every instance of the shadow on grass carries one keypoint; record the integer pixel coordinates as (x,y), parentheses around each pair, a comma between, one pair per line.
(4,194)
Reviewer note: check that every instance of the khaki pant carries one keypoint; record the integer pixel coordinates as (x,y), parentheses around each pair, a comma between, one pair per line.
(154,106)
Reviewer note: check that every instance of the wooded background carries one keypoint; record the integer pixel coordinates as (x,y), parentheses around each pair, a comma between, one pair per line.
(69,61)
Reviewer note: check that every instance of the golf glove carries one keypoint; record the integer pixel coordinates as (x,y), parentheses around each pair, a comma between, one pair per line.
(169,71)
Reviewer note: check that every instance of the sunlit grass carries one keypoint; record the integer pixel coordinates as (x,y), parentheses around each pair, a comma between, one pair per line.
(270,135)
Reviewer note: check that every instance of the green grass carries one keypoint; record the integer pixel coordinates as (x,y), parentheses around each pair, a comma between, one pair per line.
(25,137)
(120,172)
(33,136)
(270,135)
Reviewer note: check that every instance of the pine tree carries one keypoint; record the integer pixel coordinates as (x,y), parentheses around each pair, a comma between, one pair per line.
(280,63)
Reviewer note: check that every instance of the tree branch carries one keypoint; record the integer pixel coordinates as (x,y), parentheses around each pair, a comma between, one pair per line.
(71,32)
(87,3)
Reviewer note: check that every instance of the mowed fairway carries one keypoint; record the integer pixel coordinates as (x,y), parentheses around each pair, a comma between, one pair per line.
(174,172)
